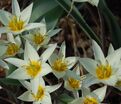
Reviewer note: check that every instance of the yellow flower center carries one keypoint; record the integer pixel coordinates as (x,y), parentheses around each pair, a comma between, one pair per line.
(12,49)
(16,24)
(90,100)
(38,38)
(33,68)
(103,72)
(40,93)
(75,84)
(59,65)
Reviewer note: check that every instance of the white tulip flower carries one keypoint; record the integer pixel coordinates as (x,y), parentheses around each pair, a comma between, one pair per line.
(61,64)
(11,46)
(103,69)
(37,91)
(73,80)
(40,36)
(32,65)
(17,22)
(95,97)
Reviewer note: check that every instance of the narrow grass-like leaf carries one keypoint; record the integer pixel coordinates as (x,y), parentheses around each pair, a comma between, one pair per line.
(66,5)
(113,25)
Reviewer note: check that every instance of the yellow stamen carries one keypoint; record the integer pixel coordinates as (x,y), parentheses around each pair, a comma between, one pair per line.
(103,72)
(74,83)
(40,93)
(33,68)
(16,24)
(38,38)
(12,49)
(59,65)
(90,100)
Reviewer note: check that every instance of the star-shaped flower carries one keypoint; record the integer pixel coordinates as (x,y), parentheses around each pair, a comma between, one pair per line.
(60,63)
(40,36)
(17,22)
(11,46)
(32,65)
(103,69)
(37,91)
(73,80)
(95,97)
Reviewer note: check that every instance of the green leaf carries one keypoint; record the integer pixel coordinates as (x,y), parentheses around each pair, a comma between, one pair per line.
(47,9)
(66,98)
(66,5)
(11,69)
(7,81)
(113,26)
(53,16)
(41,7)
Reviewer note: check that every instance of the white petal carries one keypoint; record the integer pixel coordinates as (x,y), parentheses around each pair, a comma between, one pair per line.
(111,81)
(3,50)
(118,74)
(15,8)
(4,65)
(114,58)
(18,40)
(43,29)
(3,30)
(34,85)
(110,49)
(51,89)
(30,53)
(26,84)
(77,69)
(48,52)
(85,91)
(94,2)
(20,74)
(37,102)
(59,74)
(47,99)
(89,64)
(26,96)
(72,74)
(90,80)
(16,62)
(17,32)
(99,56)
(62,51)
(100,92)
(5,17)
(71,61)
(52,58)
(41,81)
(10,38)
(46,69)
(26,13)
(53,32)
(32,26)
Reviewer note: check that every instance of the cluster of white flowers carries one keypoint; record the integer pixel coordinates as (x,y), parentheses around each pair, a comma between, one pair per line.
(21,50)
